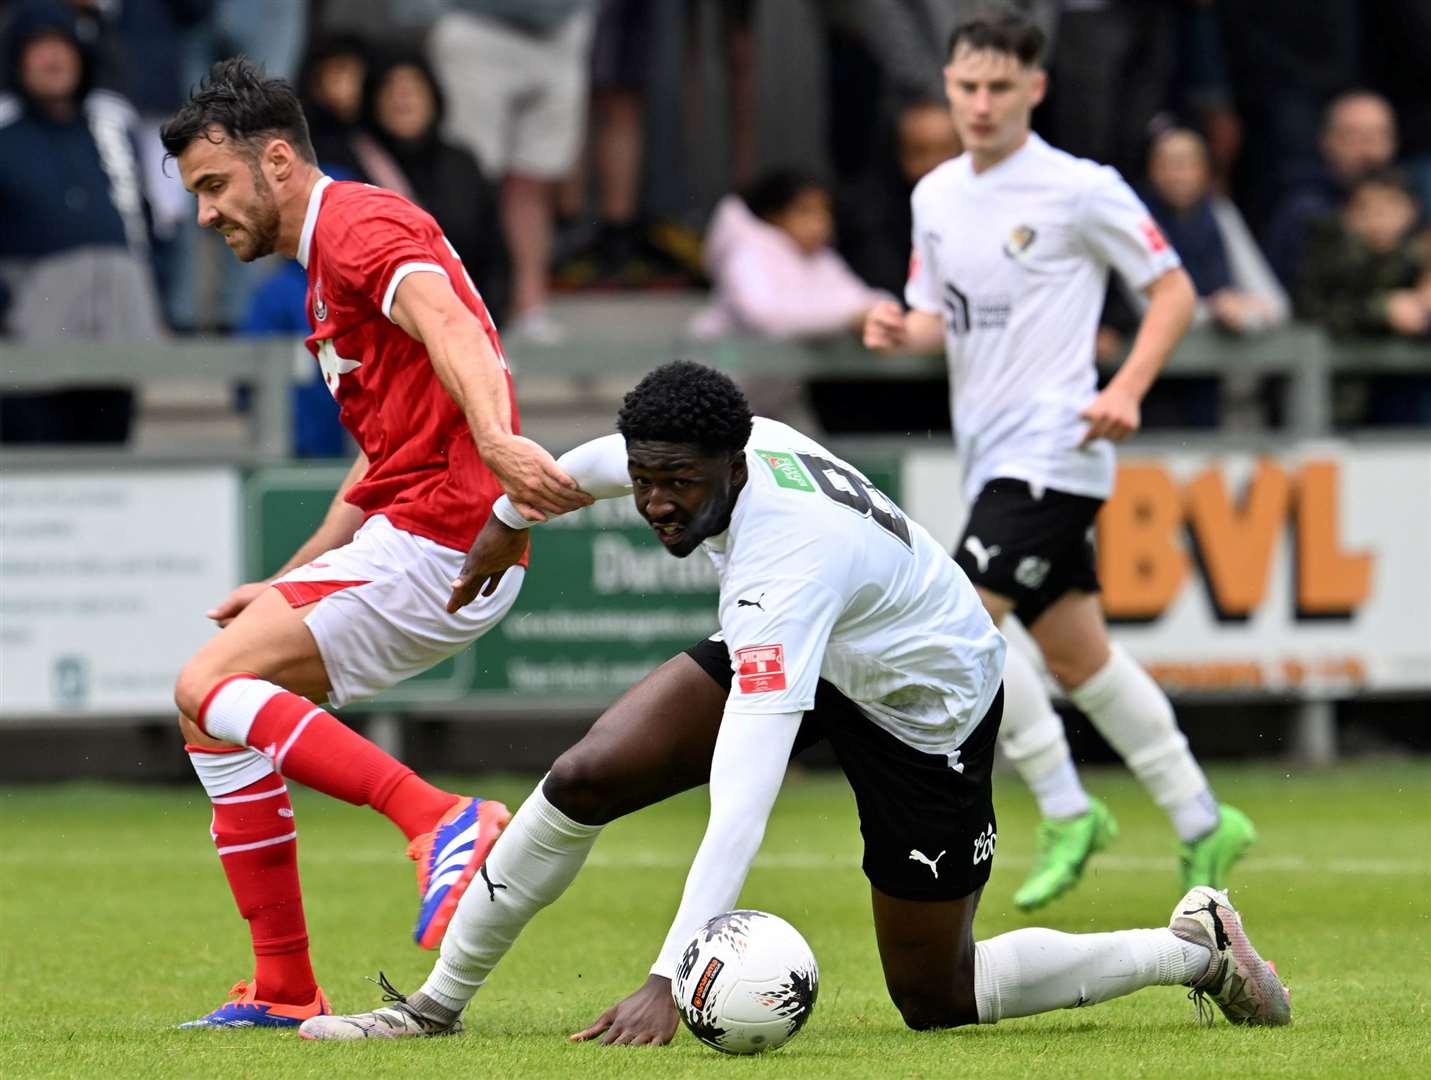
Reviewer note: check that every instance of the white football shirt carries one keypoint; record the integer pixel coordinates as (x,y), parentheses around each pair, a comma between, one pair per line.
(1015,260)
(821,575)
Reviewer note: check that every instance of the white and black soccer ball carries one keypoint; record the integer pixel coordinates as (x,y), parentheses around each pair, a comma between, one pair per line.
(746,982)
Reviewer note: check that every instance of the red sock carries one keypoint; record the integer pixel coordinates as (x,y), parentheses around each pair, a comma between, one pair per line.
(315,748)
(258,846)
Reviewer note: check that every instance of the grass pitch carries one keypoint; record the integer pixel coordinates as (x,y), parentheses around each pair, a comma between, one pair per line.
(117,924)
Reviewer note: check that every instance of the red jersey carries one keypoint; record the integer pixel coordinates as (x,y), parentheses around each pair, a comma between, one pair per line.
(424,473)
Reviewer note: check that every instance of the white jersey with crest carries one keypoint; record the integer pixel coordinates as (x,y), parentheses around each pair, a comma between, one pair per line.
(821,575)
(1015,260)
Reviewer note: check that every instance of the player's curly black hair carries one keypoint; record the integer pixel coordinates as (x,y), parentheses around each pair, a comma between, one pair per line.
(248,106)
(686,402)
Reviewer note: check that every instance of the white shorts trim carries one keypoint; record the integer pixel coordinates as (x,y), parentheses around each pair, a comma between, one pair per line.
(374,635)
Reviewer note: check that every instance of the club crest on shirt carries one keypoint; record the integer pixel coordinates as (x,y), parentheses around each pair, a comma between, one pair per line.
(1019,241)
(320,309)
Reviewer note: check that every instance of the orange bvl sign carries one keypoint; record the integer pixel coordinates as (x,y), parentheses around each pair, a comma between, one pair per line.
(1156,527)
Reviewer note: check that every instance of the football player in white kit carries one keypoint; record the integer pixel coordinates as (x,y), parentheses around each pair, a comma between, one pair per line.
(1012,245)
(840,620)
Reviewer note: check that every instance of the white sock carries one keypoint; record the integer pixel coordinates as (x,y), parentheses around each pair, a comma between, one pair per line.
(1131,711)
(1032,971)
(532,863)
(223,771)
(1032,738)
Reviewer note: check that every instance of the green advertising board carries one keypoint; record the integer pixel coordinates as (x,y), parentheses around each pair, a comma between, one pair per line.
(602,605)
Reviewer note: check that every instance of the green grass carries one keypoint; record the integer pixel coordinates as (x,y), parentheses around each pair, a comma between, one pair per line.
(116,924)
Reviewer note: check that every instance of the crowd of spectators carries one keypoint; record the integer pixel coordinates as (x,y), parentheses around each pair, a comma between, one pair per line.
(1284,148)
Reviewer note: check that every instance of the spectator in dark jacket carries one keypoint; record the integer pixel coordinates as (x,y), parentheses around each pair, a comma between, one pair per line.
(330,85)
(1364,270)
(400,147)
(74,243)
(1358,136)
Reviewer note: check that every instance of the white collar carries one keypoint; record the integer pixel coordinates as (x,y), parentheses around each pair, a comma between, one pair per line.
(310,220)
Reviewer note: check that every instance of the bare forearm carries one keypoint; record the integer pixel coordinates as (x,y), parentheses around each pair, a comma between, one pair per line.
(1172,303)
(339,523)
(468,368)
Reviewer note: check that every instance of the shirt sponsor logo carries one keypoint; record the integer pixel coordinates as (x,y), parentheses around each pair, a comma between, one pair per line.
(788,473)
(964,313)
(761,668)
(1157,242)
(1019,241)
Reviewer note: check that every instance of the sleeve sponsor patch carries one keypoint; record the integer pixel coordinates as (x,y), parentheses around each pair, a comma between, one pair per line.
(761,668)
(1157,242)
(787,470)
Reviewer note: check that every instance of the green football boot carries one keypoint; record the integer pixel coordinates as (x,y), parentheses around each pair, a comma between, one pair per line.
(1206,861)
(1063,847)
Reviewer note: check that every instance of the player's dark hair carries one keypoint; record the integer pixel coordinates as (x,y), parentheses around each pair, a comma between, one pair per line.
(1003,29)
(686,402)
(246,105)
(774,191)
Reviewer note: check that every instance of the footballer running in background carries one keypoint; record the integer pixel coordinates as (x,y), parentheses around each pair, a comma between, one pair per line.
(840,620)
(408,350)
(1012,245)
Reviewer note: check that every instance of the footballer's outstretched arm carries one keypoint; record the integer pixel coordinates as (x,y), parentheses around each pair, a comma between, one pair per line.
(339,524)
(599,469)
(471,371)
(1116,412)
(747,768)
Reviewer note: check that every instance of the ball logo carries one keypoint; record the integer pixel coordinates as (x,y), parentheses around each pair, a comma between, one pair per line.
(701,994)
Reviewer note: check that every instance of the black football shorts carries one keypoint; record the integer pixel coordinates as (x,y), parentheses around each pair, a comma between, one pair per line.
(1032,549)
(929,829)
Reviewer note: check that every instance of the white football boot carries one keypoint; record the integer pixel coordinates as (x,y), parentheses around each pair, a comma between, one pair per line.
(1245,986)
(396,1021)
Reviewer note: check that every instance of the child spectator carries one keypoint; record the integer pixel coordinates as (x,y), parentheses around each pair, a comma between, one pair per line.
(774,272)
(1364,270)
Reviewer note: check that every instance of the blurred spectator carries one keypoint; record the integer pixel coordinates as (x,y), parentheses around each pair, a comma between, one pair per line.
(74,247)
(279,308)
(1401,43)
(515,74)
(872,215)
(774,272)
(1111,70)
(1364,271)
(330,85)
(1237,290)
(207,288)
(401,148)
(1358,136)
(1286,60)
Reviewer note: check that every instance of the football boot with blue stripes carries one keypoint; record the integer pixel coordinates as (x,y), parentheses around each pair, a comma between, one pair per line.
(448,858)
(244,1009)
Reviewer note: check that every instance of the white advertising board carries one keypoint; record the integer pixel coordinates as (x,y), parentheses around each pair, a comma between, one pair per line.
(104,580)
(1305,572)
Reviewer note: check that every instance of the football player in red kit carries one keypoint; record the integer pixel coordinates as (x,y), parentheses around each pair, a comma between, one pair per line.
(410,353)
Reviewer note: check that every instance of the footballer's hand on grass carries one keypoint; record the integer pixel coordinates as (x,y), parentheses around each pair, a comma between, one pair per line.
(227,610)
(885,327)
(532,479)
(646,1018)
(496,550)
(1112,415)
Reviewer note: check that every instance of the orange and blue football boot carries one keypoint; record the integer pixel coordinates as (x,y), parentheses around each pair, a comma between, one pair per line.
(245,1010)
(448,858)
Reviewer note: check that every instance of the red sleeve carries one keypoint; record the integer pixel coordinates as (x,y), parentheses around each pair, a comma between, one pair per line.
(379,241)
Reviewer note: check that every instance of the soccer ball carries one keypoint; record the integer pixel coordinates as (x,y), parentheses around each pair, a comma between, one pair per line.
(746,982)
